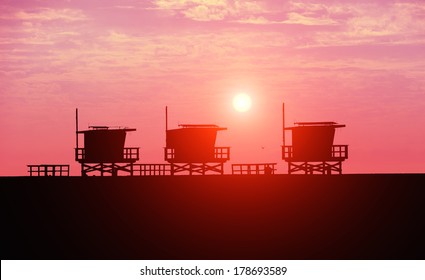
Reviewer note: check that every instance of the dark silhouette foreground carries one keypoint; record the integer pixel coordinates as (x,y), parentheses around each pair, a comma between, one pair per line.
(213,217)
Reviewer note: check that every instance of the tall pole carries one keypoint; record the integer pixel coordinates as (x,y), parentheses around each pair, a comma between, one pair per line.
(283,124)
(76,127)
(166,118)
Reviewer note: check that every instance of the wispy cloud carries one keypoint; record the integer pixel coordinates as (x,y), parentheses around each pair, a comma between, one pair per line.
(394,19)
(46,14)
(296,18)
(41,26)
(261,20)
(210,10)
(361,23)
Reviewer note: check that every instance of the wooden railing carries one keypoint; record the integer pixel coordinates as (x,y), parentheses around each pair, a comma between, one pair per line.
(128,154)
(48,170)
(220,153)
(149,169)
(131,153)
(338,152)
(253,168)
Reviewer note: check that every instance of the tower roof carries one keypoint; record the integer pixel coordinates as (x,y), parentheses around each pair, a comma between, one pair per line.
(205,126)
(108,128)
(315,124)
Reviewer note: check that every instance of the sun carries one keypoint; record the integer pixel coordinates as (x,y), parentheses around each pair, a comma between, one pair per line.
(242,102)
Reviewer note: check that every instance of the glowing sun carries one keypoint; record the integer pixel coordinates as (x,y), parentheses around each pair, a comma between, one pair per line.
(242,102)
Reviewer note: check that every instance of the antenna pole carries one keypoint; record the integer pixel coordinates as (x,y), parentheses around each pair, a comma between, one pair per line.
(76,127)
(166,118)
(283,123)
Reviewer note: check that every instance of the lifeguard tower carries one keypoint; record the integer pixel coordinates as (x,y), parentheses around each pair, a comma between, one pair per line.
(104,150)
(312,150)
(191,148)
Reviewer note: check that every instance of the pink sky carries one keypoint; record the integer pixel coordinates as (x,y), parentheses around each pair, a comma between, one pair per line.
(360,63)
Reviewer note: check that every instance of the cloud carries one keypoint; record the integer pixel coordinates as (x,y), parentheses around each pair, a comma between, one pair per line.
(397,18)
(359,23)
(210,10)
(42,26)
(257,20)
(296,18)
(48,14)
(183,4)
(125,7)
(311,14)
(205,13)
(119,37)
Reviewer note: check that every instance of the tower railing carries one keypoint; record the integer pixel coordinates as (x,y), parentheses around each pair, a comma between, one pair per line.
(48,170)
(131,153)
(151,169)
(253,168)
(128,154)
(338,152)
(220,153)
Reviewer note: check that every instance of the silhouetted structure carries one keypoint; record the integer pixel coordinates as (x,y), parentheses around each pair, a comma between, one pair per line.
(253,168)
(192,148)
(151,169)
(312,148)
(48,170)
(104,150)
